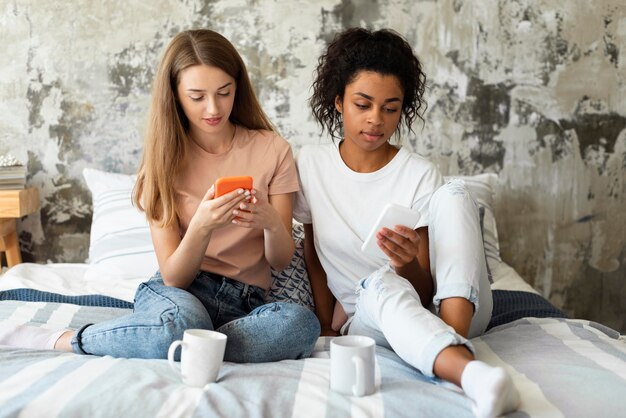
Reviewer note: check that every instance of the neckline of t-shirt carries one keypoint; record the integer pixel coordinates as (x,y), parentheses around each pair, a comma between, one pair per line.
(237,134)
(401,155)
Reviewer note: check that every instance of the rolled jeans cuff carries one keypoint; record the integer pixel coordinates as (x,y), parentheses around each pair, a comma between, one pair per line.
(437,345)
(456,290)
(75,342)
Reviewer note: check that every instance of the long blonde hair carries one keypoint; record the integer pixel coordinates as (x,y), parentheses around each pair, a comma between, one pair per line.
(166,138)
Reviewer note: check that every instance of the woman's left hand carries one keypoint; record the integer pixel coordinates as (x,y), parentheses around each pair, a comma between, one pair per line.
(400,244)
(257,213)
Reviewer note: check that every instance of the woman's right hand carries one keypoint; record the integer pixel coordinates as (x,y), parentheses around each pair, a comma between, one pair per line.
(401,245)
(213,213)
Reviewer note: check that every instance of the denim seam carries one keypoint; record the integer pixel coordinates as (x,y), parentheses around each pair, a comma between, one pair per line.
(262,314)
(242,289)
(158,295)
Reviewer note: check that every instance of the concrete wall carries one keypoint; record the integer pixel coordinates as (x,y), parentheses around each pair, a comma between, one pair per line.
(534,90)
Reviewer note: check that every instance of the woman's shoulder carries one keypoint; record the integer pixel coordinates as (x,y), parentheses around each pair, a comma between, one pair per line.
(312,151)
(421,167)
(415,159)
(263,138)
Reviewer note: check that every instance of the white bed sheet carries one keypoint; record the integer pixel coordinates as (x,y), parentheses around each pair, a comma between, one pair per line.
(67,279)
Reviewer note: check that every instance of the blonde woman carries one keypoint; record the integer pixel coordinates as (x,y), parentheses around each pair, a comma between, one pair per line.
(214,253)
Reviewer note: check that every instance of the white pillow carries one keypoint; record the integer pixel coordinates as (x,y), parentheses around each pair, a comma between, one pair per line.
(482,188)
(120,245)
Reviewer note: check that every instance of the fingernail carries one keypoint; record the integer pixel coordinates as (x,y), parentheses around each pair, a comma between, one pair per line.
(247,193)
(240,191)
(235,212)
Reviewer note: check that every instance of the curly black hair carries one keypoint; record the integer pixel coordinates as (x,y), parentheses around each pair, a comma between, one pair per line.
(383,51)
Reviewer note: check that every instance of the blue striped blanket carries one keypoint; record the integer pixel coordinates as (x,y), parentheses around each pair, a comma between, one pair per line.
(508,305)
(562,367)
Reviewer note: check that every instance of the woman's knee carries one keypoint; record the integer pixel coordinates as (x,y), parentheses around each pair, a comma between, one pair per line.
(173,305)
(301,328)
(272,332)
(175,325)
(178,311)
(161,315)
(452,195)
(390,283)
(191,314)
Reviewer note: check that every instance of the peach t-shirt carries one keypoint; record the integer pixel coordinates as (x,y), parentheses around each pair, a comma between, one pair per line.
(234,251)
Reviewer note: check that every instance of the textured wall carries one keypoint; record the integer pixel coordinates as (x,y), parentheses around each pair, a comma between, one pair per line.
(534,90)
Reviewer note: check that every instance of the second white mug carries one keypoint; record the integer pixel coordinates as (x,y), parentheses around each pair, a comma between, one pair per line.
(201,356)
(352,365)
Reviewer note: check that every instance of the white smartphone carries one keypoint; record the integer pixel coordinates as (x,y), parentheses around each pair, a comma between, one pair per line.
(392,215)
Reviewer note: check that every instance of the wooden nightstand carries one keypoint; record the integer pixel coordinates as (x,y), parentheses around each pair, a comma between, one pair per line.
(14,204)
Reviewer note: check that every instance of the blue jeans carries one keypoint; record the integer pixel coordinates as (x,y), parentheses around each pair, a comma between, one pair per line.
(257,332)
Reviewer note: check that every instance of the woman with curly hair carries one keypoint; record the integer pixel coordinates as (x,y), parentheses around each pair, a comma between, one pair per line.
(368,84)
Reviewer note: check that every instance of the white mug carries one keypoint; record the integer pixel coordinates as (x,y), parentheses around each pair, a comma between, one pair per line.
(201,356)
(352,365)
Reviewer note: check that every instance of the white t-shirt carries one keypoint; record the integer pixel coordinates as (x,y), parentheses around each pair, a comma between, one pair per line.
(343,205)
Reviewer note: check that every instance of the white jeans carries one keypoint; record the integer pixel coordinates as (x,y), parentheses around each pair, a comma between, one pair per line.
(389,309)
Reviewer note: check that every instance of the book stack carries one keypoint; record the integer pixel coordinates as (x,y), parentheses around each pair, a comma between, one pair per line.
(12,173)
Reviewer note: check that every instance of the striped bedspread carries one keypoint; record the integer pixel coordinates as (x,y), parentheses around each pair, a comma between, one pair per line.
(562,367)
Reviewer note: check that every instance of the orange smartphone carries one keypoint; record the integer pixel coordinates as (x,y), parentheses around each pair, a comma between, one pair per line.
(224,185)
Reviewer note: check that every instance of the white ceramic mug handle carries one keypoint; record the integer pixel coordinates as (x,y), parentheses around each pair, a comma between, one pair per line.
(170,354)
(358,389)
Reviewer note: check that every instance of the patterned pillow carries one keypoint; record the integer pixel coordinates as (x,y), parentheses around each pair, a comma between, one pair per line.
(292,284)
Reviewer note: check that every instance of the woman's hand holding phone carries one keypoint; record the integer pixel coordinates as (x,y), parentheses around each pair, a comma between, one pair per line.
(258,213)
(216,211)
(251,211)
(401,244)
(393,237)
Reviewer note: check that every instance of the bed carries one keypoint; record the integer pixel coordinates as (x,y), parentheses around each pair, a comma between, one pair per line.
(561,366)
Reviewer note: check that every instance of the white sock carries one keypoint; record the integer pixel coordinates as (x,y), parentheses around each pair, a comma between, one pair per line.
(28,336)
(491,389)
